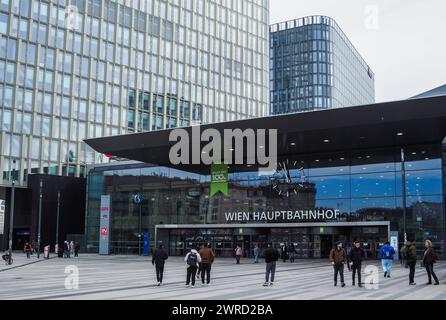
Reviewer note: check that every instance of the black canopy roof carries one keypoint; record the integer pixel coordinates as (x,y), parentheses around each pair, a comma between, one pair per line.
(399,123)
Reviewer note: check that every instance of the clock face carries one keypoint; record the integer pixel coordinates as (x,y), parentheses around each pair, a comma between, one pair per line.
(289,178)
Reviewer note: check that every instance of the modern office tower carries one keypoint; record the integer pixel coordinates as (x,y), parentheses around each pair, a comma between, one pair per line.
(71,70)
(313,65)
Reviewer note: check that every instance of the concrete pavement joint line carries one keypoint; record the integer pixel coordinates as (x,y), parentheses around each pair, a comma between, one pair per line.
(154,285)
(23,265)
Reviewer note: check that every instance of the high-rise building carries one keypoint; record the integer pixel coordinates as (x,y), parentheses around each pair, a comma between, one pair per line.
(71,70)
(313,65)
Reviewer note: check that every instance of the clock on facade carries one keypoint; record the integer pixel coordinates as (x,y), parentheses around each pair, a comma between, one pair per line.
(289,178)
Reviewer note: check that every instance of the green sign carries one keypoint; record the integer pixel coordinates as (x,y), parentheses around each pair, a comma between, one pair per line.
(240,231)
(321,230)
(219,179)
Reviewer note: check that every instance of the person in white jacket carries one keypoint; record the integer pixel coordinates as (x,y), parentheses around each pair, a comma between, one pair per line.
(192,260)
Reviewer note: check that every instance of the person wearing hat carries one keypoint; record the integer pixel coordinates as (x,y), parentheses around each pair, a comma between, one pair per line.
(356,255)
(338,258)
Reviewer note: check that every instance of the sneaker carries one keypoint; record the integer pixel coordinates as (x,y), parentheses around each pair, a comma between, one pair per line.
(187,285)
(265,284)
(343,285)
(360,285)
(193,286)
(388,275)
(271,283)
(429,283)
(159,283)
(202,284)
(436,283)
(412,284)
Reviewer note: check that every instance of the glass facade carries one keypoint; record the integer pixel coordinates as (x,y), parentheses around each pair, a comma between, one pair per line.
(77,69)
(365,186)
(313,65)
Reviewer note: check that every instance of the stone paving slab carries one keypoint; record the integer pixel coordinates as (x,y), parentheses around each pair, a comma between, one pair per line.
(133,278)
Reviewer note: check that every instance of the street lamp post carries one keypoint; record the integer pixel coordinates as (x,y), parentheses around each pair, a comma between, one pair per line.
(138,198)
(57,218)
(11,212)
(40,219)
(403,181)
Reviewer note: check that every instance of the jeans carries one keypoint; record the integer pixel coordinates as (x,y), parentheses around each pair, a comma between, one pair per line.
(206,268)
(237,258)
(338,268)
(291,255)
(412,265)
(387,265)
(256,260)
(270,268)
(159,272)
(191,272)
(356,268)
(431,273)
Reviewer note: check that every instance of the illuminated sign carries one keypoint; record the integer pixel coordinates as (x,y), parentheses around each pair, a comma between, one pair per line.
(283,215)
(104,228)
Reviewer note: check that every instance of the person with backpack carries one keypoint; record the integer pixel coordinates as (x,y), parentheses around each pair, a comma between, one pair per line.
(159,258)
(410,256)
(338,258)
(207,258)
(271,256)
(356,256)
(429,258)
(238,254)
(192,260)
(387,254)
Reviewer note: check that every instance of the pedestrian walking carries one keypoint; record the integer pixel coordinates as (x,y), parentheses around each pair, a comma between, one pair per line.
(387,255)
(291,252)
(159,258)
(238,254)
(198,275)
(338,258)
(27,249)
(77,247)
(356,256)
(66,249)
(271,256)
(72,248)
(284,252)
(429,258)
(256,252)
(192,260)
(207,258)
(410,256)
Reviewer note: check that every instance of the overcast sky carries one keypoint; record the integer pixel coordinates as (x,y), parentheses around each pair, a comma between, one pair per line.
(403,41)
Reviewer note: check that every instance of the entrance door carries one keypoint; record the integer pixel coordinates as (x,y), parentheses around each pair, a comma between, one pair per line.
(326,245)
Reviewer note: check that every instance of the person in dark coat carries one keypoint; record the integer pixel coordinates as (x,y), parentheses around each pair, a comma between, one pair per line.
(158,259)
(77,247)
(356,255)
(271,256)
(429,258)
(27,249)
(338,258)
(410,256)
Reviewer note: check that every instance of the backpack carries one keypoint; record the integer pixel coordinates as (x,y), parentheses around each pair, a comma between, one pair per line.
(407,253)
(192,259)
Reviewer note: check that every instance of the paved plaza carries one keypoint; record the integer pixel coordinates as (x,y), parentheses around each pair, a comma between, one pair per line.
(131,277)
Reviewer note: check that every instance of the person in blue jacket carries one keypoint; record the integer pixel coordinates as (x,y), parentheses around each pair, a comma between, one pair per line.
(387,255)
